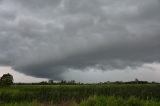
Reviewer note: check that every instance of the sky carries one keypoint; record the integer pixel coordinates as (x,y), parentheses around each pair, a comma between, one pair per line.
(82,40)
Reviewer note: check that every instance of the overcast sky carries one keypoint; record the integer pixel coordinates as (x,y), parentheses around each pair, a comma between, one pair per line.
(84,40)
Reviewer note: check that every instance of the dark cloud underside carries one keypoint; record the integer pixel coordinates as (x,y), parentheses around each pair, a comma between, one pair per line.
(44,38)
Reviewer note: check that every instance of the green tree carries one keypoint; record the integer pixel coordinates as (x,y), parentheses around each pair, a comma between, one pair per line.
(6,80)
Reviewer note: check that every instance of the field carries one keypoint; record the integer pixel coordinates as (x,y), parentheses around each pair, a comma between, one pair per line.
(81,95)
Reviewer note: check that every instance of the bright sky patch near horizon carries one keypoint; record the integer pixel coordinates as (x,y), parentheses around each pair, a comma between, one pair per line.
(149,72)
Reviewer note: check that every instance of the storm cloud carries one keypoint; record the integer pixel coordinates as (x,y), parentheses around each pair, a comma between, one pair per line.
(45,38)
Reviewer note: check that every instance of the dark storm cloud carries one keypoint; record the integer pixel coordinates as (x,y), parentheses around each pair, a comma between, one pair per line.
(44,38)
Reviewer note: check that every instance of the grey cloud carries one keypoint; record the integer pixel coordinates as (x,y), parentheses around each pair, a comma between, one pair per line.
(46,38)
(7,15)
(38,5)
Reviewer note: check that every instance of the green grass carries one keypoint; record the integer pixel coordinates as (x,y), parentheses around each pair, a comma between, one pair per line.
(57,94)
(95,101)
(34,103)
(117,101)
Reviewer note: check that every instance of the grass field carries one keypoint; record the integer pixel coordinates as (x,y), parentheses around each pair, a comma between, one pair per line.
(81,95)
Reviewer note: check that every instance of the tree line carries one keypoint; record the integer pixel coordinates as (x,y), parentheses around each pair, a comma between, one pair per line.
(7,80)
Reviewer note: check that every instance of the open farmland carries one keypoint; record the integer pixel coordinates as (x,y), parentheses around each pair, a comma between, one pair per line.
(83,95)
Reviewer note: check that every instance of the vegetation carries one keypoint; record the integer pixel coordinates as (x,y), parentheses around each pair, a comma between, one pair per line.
(58,94)
(134,93)
(117,101)
(94,101)
(6,80)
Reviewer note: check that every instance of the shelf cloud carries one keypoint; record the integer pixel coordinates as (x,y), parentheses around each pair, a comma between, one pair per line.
(45,38)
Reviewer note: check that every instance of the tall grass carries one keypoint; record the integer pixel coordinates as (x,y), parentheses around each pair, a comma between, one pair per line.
(117,101)
(77,93)
(95,101)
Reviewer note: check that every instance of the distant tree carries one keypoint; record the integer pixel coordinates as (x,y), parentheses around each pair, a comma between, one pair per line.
(50,81)
(63,82)
(72,82)
(136,80)
(6,80)
(43,83)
